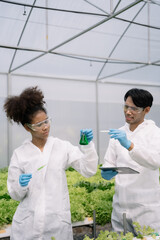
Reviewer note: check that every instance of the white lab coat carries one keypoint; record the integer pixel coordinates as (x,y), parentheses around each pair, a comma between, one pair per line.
(44,209)
(137,195)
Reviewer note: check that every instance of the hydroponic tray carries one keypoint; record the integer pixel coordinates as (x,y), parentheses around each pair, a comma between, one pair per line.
(5,233)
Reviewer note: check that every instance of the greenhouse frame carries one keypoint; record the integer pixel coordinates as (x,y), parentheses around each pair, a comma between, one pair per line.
(84,55)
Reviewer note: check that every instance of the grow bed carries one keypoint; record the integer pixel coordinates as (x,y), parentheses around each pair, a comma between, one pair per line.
(5,233)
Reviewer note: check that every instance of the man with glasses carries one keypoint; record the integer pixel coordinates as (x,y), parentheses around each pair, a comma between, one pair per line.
(135,145)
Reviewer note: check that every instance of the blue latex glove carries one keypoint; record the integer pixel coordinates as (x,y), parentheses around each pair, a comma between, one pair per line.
(88,133)
(24,179)
(108,175)
(121,136)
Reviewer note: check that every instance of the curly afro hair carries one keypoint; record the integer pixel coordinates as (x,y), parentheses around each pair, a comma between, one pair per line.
(22,108)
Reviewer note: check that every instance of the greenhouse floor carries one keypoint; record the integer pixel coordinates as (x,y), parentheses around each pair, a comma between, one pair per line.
(78,232)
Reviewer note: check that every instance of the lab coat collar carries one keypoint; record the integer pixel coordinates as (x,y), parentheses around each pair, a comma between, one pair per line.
(146,122)
(50,141)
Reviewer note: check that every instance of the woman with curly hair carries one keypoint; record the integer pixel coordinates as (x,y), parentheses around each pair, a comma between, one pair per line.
(36,175)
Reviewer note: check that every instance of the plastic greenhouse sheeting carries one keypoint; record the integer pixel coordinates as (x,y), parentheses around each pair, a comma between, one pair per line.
(103,40)
(84,55)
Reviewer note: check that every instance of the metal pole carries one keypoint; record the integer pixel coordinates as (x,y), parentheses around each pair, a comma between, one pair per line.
(46,25)
(97,118)
(8,124)
(94,224)
(149,40)
(124,223)
(111,6)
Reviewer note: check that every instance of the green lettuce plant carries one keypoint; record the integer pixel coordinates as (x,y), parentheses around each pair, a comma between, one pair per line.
(86,195)
(141,233)
(108,235)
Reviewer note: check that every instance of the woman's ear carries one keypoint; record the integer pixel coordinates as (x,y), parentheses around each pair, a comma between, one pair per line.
(27,128)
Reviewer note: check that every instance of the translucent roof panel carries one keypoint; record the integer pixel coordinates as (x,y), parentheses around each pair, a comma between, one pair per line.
(89,40)
(62,67)
(141,74)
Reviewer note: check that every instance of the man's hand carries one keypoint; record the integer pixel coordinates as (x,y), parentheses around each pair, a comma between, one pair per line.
(120,135)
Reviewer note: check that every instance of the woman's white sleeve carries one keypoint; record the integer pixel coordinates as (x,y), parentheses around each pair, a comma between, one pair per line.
(85,161)
(15,190)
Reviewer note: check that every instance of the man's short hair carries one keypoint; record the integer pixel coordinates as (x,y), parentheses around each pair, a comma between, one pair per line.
(140,97)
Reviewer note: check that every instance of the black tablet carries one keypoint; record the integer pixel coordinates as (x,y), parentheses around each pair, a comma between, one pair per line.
(120,170)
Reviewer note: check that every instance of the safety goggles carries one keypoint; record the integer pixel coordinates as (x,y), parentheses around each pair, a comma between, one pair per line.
(133,109)
(38,126)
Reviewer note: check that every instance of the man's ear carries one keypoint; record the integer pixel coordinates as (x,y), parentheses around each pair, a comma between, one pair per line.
(147,109)
(27,128)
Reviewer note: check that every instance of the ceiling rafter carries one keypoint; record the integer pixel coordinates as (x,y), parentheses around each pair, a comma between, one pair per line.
(78,12)
(117,43)
(117,18)
(52,9)
(78,56)
(129,70)
(97,7)
(21,35)
(87,13)
(79,34)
